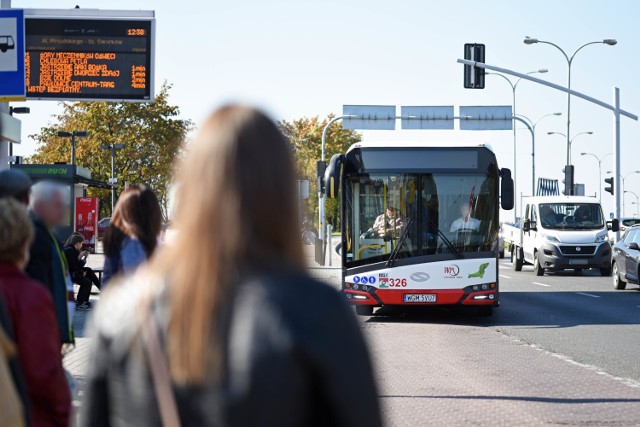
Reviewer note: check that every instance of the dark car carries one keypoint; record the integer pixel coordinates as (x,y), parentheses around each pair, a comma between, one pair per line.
(103,224)
(626,258)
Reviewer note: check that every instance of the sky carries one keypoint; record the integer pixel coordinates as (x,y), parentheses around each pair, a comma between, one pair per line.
(305,58)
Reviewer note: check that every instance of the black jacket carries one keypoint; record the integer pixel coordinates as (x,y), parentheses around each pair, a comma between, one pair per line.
(40,265)
(73,259)
(293,355)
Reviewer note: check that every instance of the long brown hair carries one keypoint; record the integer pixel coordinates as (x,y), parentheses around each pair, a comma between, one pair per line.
(237,212)
(137,214)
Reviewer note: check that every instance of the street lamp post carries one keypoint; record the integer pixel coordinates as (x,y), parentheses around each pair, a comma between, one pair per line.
(514,86)
(530,40)
(113,148)
(73,135)
(599,159)
(636,202)
(533,125)
(623,179)
(12,111)
(570,141)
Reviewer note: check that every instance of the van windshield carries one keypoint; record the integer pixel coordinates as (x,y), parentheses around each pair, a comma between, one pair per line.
(571,216)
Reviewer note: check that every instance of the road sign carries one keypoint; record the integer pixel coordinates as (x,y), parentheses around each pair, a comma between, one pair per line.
(10,128)
(492,117)
(474,76)
(431,117)
(89,54)
(378,117)
(12,77)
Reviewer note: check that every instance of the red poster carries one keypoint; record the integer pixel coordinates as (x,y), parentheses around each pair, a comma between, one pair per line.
(87,221)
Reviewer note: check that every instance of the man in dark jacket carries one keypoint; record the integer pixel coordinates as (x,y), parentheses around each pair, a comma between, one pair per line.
(47,263)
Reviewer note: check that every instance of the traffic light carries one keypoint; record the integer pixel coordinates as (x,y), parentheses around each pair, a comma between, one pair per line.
(610,188)
(474,76)
(568,180)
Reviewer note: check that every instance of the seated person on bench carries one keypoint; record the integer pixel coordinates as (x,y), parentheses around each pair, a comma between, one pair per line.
(80,274)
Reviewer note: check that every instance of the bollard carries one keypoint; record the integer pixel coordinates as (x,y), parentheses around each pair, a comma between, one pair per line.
(330,240)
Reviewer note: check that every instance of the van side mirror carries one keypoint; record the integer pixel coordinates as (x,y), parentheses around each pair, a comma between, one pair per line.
(614,225)
(634,246)
(506,189)
(332,176)
(526,225)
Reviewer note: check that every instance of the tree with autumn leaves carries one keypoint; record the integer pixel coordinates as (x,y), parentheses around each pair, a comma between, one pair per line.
(305,137)
(153,135)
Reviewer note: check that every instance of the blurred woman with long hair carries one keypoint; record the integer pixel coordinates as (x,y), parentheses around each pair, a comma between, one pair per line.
(225,327)
(133,234)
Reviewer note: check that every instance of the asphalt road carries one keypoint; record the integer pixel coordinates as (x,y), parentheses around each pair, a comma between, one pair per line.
(580,316)
(561,349)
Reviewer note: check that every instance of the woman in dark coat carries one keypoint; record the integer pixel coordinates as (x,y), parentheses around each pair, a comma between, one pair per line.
(224,327)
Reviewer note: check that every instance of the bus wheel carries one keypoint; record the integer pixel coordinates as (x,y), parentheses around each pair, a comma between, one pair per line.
(364,310)
(485,310)
(518,261)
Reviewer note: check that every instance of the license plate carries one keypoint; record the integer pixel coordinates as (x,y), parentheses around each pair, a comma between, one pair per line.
(419,298)
(578,261)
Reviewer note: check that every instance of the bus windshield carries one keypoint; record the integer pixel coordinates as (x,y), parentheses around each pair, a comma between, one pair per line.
(573,216)
(449,212)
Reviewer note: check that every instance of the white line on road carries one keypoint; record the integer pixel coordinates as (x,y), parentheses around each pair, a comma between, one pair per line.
(588,295)
(541,284)
(504,276)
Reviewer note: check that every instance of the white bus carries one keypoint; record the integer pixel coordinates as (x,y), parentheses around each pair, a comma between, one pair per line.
(419,224)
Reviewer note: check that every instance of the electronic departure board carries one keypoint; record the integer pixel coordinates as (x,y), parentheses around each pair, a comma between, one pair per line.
(89,59)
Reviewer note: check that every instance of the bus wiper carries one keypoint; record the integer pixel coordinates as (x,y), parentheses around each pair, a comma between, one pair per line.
(445,240)
(396,250)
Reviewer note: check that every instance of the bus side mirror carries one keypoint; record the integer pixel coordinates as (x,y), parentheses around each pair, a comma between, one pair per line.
(332,176)
(614,225)
(506,189)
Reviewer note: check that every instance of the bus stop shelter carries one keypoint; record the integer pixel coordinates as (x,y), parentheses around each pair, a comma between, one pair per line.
(76,179)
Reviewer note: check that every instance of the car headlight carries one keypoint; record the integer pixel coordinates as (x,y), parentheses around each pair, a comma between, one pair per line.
(551,239)
(601,238)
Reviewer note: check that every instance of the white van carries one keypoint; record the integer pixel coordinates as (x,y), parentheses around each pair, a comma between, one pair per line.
(563,232)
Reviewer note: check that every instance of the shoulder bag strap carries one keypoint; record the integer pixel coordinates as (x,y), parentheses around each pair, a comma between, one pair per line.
(159,371)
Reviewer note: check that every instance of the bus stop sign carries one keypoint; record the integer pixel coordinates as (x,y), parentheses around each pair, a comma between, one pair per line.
(12,76)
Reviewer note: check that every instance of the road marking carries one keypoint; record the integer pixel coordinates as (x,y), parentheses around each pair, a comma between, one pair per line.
(541,284)
(588,295)
(504,276)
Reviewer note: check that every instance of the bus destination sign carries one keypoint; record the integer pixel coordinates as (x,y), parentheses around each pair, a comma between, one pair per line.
(89,59)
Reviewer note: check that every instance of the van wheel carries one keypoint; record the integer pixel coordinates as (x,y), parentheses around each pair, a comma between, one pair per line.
(364,310)
(537,268)
(618,283)
(518,261)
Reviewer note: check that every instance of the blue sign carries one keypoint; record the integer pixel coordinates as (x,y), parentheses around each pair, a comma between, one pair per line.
(12,71)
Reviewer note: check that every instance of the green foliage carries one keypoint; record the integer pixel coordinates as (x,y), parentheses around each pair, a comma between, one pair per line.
(305,136)
(152,133)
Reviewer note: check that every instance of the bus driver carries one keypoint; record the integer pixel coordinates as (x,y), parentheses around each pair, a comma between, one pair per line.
(465,222)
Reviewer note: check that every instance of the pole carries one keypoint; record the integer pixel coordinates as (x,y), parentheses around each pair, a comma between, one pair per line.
(515,162)
(616,154)
(569,124)
(73,148)
(600,181)
(533,161)
(113,184)
(4,109)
